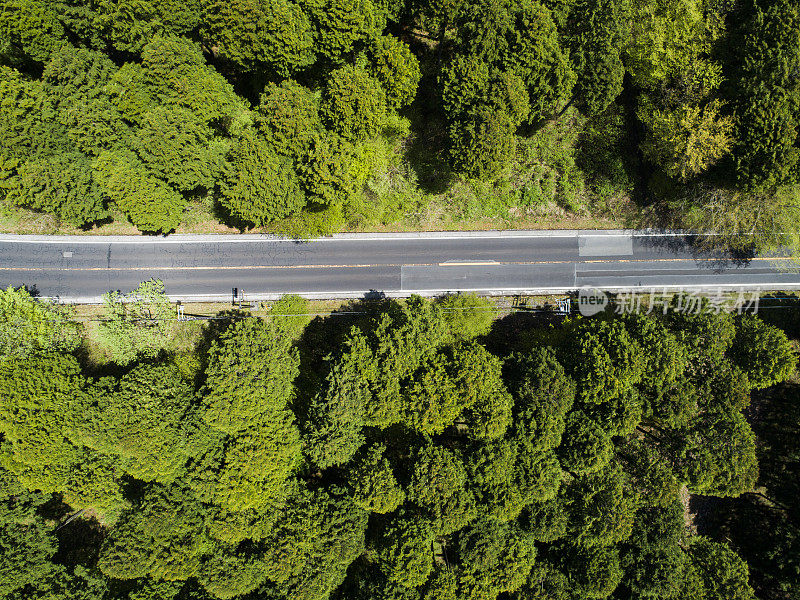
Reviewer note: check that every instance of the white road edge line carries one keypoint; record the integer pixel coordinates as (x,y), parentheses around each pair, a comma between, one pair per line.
(261,238)
(267,296)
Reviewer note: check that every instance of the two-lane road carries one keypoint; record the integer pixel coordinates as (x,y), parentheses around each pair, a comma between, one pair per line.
(81,269)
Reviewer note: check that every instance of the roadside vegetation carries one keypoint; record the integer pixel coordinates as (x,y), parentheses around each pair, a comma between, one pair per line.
(398,450)
(307,117)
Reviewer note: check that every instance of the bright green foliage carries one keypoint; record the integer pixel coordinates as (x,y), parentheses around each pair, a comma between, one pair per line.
(258,34)
(259,185)
(317,536)
(439,488)
(602,508)
(40,167)
(149,203)
(396,68)
(688,140)
(463,378)
(176,146)
(489,405)
(543,394)
(536,494)
(139,419)
(705,335)
(432,402)
(343,26)
(131,24)
(250,471)
(77,80)
(28,325)
(665,358)
(249,374)
(139,323)
(173,73)
(665,38)
(38,397)
(723,573)
(61,184)
(353,104)
(404,550)
(325,171)
(288,118)
(29,30)
(604,360)
(338,413)
(396,344)
(162,537)
(229,572)
(93,484)
(586,447)
(374,487)
(468,316)
(495,558)
(492,468)
(763,352)
(719,457)
(597,40)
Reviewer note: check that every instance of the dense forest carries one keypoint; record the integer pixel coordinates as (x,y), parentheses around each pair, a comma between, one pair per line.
(309,116)
(397,450)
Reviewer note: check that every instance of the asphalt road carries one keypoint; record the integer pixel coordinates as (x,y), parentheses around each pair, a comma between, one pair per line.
(81,269)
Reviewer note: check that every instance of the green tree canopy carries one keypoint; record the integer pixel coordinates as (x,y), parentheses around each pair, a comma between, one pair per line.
(260,186)
(256,34)
(353,103)
(763,352)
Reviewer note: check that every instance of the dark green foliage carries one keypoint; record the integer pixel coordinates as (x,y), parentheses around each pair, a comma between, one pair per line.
(763,352)
(495,559)
(604,360)
(374,487)
(410,463)
(404,550)
(341,27)
(353,104)
(766,95)
(31,30)
(439,488)
(260,186)
(596,40)
(482,143)
(138,418)
(175,146)
(287,116)
(254,34)
(396,69)
(149,203)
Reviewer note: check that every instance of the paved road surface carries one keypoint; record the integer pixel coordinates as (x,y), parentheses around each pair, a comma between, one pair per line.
(81,269)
